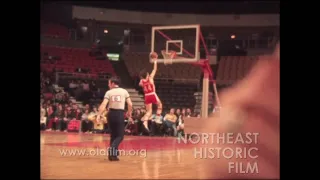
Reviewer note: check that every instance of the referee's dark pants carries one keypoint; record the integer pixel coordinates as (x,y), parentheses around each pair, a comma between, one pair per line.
(116,127)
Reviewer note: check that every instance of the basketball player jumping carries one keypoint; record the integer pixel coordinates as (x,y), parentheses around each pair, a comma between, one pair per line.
(150,96)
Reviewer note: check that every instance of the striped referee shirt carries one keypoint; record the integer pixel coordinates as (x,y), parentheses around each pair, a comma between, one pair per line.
(117,98)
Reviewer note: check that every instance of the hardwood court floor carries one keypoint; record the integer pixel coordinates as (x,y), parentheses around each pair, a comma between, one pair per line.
(165,158)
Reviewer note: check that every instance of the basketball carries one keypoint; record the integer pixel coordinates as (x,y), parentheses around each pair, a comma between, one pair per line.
(153,55)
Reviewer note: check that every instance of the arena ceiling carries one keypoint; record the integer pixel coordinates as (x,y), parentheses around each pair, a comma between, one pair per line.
(202,7)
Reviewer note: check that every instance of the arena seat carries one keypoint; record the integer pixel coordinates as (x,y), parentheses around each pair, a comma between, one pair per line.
(234,68)
(176,94)
(72,58)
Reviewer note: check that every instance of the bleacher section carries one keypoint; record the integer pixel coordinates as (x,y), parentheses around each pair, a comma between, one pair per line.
(176,94)
(68,59)
(136,98)
(234,68)
(102,84)
(198,104)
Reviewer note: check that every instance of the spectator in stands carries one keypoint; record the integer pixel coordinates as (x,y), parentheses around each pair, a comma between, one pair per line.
(98,127)
(46,87)
(188,112)
(180,127)
(43,118)
(136,117)
(86,94)
(54,120)
(74,108)
(66,119)
(170,120)
(49,112)
(183,112)
(55,87)
(180,122)
(93,86)
(131,127)
(156,125)
(48,96)
(78,114)
(72,87)
(79,91)
(47,82)
(178,113)
(86,125)
(59,114)
(100,94)
(66,97)
(143,111)
(42,85)
(85,86)
(87,107)
(95,110)
(139,116)
(61,96)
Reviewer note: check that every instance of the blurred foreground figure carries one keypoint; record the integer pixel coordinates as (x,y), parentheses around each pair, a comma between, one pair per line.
(253,106)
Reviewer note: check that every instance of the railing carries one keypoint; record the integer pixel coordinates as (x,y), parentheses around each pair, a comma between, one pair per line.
(60,75)
(65,43)
(140,44)
(178,80)
(173,81)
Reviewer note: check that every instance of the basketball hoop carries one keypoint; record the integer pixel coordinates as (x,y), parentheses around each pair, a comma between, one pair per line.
(168,56)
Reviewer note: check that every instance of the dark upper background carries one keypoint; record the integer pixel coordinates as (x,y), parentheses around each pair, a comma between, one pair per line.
(62,11)
(205,7)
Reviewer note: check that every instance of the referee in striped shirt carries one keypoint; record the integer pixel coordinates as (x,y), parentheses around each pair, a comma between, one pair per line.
(117,98)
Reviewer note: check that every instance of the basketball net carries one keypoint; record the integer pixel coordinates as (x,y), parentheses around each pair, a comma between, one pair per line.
(168,56)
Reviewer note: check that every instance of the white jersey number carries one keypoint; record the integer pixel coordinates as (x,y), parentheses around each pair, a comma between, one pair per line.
(116,98)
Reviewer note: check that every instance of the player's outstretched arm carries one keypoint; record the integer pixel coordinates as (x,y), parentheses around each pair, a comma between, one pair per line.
(153,73)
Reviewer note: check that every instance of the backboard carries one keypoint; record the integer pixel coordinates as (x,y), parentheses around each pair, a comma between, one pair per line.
(183,39)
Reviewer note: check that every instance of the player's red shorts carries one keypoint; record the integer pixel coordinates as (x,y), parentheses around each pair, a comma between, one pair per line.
(150,98)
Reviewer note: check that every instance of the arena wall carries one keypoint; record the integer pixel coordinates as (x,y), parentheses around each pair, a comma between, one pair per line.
(256,20)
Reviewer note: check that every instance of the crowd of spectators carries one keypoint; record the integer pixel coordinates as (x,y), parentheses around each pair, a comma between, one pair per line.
(58,110)
(50,91)
(84,91)
(57,116)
